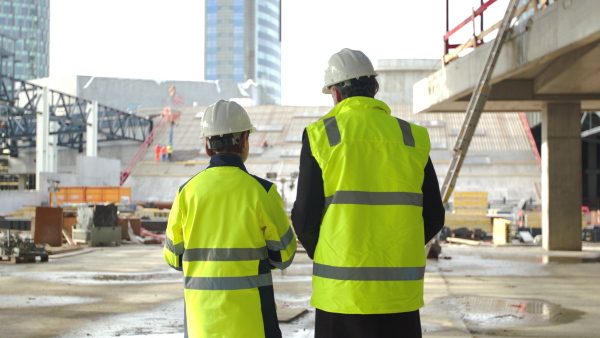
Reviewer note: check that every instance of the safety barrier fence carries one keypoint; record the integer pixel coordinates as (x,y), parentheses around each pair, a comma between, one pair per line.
(452,51)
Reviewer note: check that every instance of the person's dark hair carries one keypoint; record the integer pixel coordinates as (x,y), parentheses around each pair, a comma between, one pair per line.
(363,86)
(236,148)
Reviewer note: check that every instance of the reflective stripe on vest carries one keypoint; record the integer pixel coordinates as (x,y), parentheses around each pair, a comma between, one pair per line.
(281,245)
(368,274)
(332,130)
(375,198)
(228,283)
(176,249)
(334,136)
(407,135)
(225,255)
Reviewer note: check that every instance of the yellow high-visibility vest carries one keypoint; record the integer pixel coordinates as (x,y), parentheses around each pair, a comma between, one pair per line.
(227,229)
(370,256)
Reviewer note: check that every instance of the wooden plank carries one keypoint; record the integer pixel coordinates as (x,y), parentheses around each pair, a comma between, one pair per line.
(451,56)
(462,241)
(68,238)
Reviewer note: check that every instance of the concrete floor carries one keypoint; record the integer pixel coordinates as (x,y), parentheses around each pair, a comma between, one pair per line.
(128,291)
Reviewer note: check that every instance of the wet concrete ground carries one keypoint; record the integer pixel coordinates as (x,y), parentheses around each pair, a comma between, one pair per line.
(129,291)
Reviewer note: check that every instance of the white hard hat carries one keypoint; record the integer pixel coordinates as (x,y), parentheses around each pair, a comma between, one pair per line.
(345,65)
(225,117)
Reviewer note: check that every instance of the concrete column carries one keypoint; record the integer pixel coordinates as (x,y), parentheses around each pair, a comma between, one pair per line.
(91,132)
(561,176)
(42,125)
(592,175)
(22,182)
(52,165)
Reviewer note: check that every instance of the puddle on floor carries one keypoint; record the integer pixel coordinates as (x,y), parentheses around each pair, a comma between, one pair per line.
(568,259)
(483,313)
(138,277)
(100,277)
(20,301)
(576,257)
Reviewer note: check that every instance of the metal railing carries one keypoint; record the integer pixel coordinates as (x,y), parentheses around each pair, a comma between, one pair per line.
(452,51)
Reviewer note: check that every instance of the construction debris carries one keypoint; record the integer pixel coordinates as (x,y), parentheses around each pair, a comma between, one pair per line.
(14,249)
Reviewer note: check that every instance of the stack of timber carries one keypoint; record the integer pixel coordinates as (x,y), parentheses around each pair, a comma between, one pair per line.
(469,211)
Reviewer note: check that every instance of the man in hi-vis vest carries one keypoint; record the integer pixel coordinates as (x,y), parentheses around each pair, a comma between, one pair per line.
(227,229)
(368,200)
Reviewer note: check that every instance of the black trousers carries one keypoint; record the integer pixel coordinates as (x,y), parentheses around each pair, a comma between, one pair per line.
(334,325)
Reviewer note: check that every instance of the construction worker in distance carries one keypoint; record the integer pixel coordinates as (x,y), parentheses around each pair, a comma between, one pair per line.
(163,153)
(157,149)
(368,200)
(227,229)
(169,152)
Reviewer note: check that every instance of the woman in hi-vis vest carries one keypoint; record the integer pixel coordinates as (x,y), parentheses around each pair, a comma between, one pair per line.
(227,229)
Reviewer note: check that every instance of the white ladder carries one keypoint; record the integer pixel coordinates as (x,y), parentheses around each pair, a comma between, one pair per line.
(480,95)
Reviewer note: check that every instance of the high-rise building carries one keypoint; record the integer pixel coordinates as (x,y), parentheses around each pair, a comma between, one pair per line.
(24,38)
(243,42)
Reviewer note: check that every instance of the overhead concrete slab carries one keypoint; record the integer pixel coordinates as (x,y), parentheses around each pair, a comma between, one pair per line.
(552,56)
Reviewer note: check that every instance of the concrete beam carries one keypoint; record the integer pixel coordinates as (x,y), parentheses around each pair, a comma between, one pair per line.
(561,69)
(460,106)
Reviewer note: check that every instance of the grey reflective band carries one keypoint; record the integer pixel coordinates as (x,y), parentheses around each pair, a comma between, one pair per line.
(228,283)
(368,274)
(375,198)
(176,249)
(225,255)
(409,140)
(333,132)
(178,268)
(283,243)
(283,265)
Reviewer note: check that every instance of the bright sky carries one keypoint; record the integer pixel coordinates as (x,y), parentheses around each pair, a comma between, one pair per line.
(164,39)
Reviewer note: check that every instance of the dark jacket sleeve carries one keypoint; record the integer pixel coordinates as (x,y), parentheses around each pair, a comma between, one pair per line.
(434,213)
(310,199)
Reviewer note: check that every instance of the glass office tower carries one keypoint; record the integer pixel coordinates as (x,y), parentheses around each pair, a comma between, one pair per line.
(24,38)
(243,42)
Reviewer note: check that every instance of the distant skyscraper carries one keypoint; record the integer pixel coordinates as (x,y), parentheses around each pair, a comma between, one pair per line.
(24,38)
(243,41)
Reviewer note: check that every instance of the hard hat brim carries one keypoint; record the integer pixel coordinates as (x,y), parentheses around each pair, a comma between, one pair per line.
(251,130)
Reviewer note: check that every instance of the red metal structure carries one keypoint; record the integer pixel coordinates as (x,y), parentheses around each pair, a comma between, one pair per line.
(166,118)
(478,12)
(477,38)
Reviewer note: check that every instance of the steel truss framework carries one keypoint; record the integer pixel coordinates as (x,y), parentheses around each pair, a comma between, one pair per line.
(21,101)
(590,126)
